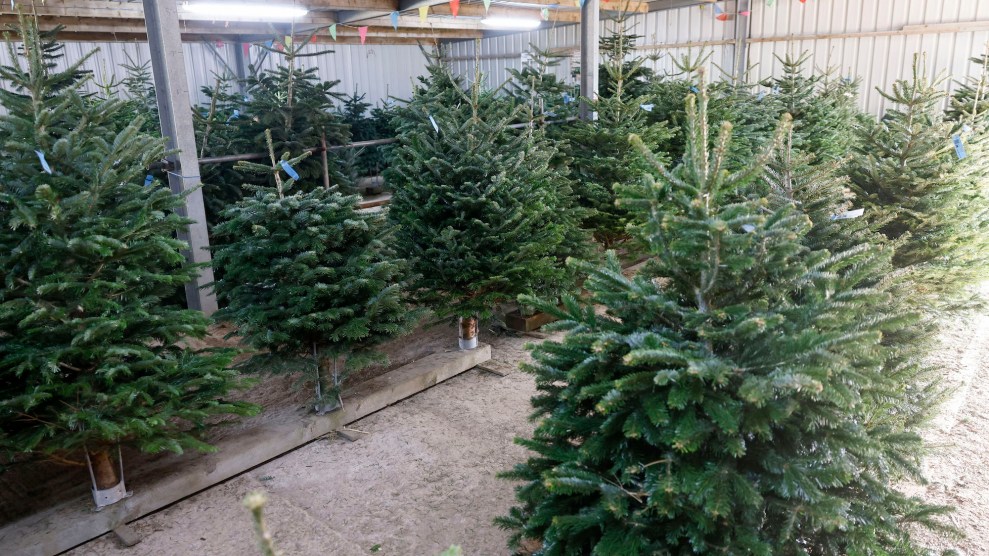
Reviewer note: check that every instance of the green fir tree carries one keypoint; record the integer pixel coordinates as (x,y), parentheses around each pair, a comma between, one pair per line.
(922,192)
(716,406)
(92,354)
(299,110)
(602,157)
(481,215)
(309,280)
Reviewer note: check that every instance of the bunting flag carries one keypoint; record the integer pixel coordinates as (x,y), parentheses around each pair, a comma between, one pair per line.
(719,14)
(545,14)
(746,13)
(362,31)
(394,20)
(454,7)
(333,31)
(219,44)
(288,41)
(423,12)
(270,44)
(769,3)
(245,47)
(487,5)
(580,3)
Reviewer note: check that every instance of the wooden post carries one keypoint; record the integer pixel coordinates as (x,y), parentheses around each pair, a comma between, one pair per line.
(590,31)
(175,111)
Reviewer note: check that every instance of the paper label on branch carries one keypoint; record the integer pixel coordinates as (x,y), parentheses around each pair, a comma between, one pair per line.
(394,20)
(435,125)
(567,99)
(148,180)
(333,31)
(966,128)
(762,95)
(289,170)
(959,146)
(424,11)
(647,107)
(748,228)
(362,31)
(850,214)
(44,163)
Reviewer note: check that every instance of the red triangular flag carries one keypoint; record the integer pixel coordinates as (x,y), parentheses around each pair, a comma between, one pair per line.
(746,13)
(246,48)
(362,31)
(720,14)
(454,7)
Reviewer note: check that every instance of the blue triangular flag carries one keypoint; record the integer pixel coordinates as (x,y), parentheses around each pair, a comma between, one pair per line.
(289,170)
(394,20)
(44,163)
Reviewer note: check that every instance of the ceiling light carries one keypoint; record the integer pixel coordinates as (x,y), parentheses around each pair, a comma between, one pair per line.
(510,23)
(244,11)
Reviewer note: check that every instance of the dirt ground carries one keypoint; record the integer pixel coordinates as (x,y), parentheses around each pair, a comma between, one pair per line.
(423,478)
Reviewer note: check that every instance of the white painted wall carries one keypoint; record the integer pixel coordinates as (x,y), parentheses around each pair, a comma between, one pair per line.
(864,38)
(375,70)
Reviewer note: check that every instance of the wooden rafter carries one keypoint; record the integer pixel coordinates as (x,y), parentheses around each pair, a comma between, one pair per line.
(117,19)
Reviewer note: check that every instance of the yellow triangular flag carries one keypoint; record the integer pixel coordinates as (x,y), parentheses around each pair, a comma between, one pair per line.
(423,12)
(288,41)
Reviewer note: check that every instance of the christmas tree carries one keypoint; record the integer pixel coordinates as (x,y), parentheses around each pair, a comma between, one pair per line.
(824,110)
(601,154)
(92,355)
(367,124)
(923,190)
(537,87)
(715,406)
(308,279)
(222,129)
(299,110)
(480,214)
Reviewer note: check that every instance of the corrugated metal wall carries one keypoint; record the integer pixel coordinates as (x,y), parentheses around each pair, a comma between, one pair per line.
(375,70)
(871,39)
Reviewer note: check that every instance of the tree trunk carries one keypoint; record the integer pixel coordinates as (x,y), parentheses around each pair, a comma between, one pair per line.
(104,469)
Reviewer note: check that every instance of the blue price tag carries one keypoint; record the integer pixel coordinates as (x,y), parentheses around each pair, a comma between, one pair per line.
(959,146)
(694,89)
(44,163)
(148,180)
(762,95)
(289,170)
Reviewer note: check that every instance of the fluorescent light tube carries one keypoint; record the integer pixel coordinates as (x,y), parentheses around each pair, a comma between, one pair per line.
(244,11)
(511,23)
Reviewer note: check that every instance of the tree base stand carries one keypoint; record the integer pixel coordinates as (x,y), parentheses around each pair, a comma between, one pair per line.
(108,485)
(467,328)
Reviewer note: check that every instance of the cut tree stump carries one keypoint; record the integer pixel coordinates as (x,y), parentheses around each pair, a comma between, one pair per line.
(496,367)
(516,321)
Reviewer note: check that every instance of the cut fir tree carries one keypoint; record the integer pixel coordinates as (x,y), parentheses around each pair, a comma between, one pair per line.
(602,157)
(715,406)
(479,211)
(92,355)
(309,280)
(921,178)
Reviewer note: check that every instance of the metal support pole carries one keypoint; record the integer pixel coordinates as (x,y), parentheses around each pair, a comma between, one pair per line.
(743,28)
(590,31)
(240,64)
(172,90)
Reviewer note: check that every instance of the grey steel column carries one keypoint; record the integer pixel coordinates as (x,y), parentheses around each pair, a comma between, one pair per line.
(172,90)
(590,31)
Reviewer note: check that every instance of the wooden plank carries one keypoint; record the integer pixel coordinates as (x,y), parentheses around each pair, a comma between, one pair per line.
(477,10)
(70,524)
